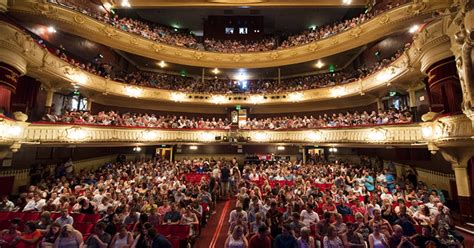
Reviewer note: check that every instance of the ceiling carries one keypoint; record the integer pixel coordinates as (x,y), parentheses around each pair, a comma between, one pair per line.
(276,20)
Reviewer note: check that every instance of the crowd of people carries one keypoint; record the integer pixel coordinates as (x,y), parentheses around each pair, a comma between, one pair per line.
(131,199)
(224,86)
(113,118)
(279,204)
(175,37)
(338,205)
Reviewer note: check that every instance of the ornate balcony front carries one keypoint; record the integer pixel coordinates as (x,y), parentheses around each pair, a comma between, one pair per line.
(80,24)
(45,65)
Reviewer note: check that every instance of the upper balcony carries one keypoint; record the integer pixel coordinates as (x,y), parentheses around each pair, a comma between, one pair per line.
(389,22)
(45,65)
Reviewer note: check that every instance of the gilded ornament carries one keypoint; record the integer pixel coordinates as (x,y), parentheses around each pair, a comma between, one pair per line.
(79,19)
(109,31)
(416,7)
(134,41)
(198,55)
(384,19)
(274,55)
(236,57)
(156,47)
(334,41)
(355,32)
(313,46)
(44,9)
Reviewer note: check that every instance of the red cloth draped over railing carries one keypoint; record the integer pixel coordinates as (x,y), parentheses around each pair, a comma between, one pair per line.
(195,178)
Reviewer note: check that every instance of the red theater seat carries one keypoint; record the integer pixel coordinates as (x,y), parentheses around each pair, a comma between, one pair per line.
(31,216)
(77,217)
(91,218)
(4,215)
(84,228)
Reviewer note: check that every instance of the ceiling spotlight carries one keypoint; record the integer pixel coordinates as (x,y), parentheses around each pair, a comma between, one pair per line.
(137,149)
(280,148)
(51,29)
(347,2)
(216,71)
(162,64)
(319,64)
(414,28)
(125,4)
(193,148)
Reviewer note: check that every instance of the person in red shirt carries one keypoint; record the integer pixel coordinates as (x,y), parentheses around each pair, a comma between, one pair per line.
(261,239)
(30,237)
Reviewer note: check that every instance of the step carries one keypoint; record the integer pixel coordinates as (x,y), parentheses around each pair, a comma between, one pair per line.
(465,230)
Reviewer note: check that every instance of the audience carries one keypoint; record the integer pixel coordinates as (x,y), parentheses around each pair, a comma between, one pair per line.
(175,37)
(112,118)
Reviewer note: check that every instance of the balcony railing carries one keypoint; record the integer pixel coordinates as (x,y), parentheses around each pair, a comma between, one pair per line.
(80,24)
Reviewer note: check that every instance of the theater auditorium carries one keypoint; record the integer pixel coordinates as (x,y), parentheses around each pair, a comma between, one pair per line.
(236,124)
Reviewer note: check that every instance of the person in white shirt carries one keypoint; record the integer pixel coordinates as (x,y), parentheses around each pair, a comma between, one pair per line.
(6,205)
(308,216)
(386,196)
(238,211)
(65,218)
(35,204)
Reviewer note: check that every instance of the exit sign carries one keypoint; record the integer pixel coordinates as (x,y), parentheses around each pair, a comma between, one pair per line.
(237,107)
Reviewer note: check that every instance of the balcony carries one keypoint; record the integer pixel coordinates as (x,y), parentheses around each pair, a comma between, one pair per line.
(80,24)
(45,65)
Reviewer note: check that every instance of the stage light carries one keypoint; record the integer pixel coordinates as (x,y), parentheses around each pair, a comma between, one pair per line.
(216,71)
(377,135)
(315,136)
(133,91)
(76,134)
(261,136)
(427,132)
(149,135)
(177,96)
(126,4)
(137,149)
(338,91)
(205,136)
(218,99)
(347,2)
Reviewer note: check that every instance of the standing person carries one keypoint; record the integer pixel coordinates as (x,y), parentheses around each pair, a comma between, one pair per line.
(236,239)
(261,239)
(50,236)
(225,177)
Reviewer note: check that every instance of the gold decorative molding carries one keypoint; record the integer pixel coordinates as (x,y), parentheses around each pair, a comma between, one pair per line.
(237,3)
(392,21)
(43,64)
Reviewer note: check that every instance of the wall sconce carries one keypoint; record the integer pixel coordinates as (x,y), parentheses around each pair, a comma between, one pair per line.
(137,149)
(177,96)
(261,136)
(218,99)
(256,99)
(338,91)
(377,135)
(315,136)
(280,148)
(76,134)
(332,149)
(193,147)
(427,132)
(149,135)
(295,96)
(133,91)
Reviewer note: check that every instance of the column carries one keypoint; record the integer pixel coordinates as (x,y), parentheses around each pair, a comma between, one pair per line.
(461,34)
(459,159)
(49,101)
(444,87)
(380,104)
(12,67)
(89,104)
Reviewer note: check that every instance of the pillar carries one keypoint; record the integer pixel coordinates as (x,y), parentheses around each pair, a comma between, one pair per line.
(380,104)
(12,67)
(459,159)
(89,104)
(444,92)
(49,101)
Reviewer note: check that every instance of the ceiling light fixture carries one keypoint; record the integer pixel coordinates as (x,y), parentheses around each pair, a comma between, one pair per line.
(319,64)
(256,99)
(295,96)
(280,148)
(51,29)
(178,96)
(216,71)
(162,64)
(107,6)
(126,4)
(414,28)
(347,2)
(193,148)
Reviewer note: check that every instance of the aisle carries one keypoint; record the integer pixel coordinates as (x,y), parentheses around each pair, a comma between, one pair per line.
(215,232)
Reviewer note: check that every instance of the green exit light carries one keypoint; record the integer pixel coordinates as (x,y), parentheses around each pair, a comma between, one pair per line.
(238,107)
(332,68)
(392,93)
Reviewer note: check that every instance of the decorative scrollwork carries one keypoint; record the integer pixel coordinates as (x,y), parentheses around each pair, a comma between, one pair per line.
(274,55)
(156,47)
(384,19)
(355,32)
(79,19)
(313,47)
(44,9)
(198,55)
(417,7)
(109,31)
(236,57)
